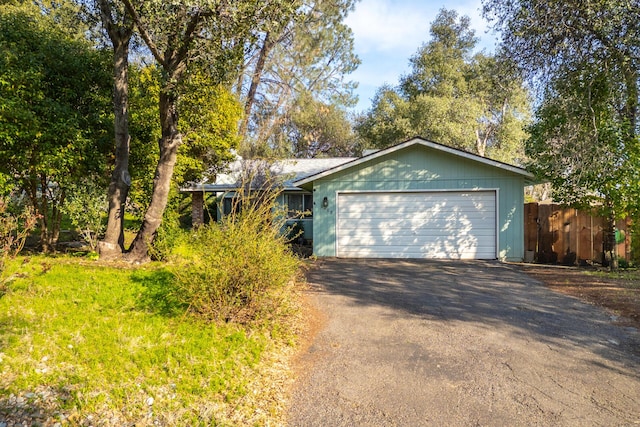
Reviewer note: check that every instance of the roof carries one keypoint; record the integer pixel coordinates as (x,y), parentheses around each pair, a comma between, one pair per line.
(289,169)
(414,141)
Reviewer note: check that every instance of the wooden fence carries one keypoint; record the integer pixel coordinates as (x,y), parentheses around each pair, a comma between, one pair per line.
(569,236)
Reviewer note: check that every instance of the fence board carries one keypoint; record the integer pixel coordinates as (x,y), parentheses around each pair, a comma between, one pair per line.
(569,236)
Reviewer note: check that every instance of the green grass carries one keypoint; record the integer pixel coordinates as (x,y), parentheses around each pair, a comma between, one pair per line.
(108,339)
(631,274)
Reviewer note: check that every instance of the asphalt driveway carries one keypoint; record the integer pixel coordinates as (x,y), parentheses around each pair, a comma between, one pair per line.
(415,343)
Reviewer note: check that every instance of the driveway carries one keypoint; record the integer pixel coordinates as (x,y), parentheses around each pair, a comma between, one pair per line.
(414,343)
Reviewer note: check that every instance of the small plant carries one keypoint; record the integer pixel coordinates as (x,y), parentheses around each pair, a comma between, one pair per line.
(86,205)
(15,227)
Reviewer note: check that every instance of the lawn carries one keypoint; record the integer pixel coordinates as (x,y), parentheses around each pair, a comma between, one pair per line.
(83,343)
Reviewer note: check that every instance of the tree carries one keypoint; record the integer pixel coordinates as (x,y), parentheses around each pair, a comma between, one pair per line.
(301,63)
(313,128)
(54,117)
(548,38)
(583,59)
(453,96)
(576,145)
(119,28)
(180,36)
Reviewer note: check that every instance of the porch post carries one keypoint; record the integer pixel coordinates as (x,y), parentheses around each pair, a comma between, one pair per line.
(197,208)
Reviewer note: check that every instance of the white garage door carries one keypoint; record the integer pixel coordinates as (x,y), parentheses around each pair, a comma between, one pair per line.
(453,225)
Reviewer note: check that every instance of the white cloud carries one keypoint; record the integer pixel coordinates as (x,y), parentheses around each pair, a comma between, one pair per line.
(387,26)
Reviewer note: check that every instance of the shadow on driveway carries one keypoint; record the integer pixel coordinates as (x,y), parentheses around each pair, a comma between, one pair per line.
(486,292)
(410,343)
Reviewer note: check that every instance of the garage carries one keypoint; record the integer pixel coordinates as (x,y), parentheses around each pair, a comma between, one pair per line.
(419,199)
(420,224)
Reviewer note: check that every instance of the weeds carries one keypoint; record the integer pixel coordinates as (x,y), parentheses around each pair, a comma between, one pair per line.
(15,227)
(237,270)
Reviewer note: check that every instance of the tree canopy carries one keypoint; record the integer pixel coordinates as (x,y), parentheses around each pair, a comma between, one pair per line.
(453,96)
(55,125)
(293,70)
(582,59)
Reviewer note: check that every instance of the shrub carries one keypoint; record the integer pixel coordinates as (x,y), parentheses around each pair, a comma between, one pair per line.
(15,226)
(237,270)
(295,232)
(86,206)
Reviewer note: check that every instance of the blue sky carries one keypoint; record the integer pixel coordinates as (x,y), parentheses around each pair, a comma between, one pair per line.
(388,32)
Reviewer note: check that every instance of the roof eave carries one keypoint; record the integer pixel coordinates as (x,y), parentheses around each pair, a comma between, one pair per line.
(416,140)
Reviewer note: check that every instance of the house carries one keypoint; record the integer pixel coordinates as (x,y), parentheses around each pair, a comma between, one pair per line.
(416,199)
(295,198)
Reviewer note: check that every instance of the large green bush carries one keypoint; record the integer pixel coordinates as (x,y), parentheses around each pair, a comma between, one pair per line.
(238,270)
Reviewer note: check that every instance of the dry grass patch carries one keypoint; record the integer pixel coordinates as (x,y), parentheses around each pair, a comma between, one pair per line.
(618,292)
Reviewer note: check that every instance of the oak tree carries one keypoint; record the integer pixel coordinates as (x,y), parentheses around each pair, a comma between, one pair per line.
(182,35)
(583,61)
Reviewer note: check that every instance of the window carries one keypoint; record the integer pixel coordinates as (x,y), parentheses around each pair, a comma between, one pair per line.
(299,205)
(231,205)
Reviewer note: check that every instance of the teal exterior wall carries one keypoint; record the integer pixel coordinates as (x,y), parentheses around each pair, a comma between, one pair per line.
(422,168)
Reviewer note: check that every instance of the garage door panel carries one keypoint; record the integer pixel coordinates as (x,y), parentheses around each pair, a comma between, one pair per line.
(416,214)
(404,252)
(391,236)
(417,224)
(456,225)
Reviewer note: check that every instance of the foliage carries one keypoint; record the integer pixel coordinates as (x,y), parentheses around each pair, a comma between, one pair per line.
(582,60)
(208,122)
(577,146)
(16,223)
(175,221)
(54,104)
(86,206)
(209,125)
(293,70)
(144,127)
(313,128)
(452,96)
(295,231)
(239,269)
(111,343)
(184,37)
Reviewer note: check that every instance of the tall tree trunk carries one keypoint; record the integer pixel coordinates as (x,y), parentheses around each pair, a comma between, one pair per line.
(112,246)
(255,82)
(169,144)
(481,143)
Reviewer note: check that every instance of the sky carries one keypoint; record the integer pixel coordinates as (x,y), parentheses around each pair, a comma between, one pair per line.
(388,32)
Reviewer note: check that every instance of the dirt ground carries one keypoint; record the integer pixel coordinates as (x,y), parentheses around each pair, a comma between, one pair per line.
(618,292)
